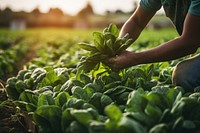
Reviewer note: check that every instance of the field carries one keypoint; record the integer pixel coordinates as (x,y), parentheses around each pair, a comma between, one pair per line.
(43,90)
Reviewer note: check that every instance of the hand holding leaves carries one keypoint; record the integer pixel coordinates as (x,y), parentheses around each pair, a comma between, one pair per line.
(105,45)
(121,61)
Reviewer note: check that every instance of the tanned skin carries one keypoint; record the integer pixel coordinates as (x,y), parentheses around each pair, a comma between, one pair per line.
(184,45)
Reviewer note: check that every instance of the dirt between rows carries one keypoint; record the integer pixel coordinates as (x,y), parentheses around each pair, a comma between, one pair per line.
(11,119)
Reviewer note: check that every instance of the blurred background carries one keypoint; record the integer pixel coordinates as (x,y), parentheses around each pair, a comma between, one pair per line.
(80,14)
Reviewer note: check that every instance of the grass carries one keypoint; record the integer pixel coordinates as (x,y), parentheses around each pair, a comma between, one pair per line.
(66,33)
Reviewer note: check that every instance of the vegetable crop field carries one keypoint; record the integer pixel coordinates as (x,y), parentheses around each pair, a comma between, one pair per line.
(55,81)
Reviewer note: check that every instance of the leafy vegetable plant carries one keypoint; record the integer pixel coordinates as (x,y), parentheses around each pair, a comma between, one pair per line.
(105,45)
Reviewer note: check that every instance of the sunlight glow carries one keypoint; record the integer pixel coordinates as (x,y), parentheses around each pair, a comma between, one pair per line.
(68,6)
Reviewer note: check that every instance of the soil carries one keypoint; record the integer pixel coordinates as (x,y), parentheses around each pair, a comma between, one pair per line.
(10,120)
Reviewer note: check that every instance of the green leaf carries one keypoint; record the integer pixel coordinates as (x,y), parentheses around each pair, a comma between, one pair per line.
(79,93)
(160,128)
(90,89)
(87,47)
(66,119)
(177,125)
(142,118)
(49,118)
(76,127)
(150,71)
(109,36)
(50,78)
(62,98)
(158,99)
(118,42)
(113,112)
(166,116)
(136,102)
(20,86)
(21,104)
(112,85)
(98,41)
(122,98)
(120,89)
(109,48)
(172,95)
(97,127)
(95,100)
(21,74)
(124,46)
(45,99)
(82,116)
(105,100)
(12,92)
(12,81)
(31,107)
(10,88)
(153,112)
(114,30)
(74,103)
(37,72)
(125,37)
(85,78)
(128,125)
(28,96)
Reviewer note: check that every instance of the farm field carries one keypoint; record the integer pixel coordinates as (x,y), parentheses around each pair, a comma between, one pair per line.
(50,83)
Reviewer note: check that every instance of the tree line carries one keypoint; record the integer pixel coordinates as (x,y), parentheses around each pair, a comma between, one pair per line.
(55,17)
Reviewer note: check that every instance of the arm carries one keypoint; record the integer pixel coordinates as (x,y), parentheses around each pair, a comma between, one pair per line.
(136,23)
(184,45)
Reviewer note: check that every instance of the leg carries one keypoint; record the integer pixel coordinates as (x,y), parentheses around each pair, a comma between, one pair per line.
(187,73)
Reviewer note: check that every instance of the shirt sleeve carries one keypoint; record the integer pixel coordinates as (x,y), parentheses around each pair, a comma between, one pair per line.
(151,5)
(195,7)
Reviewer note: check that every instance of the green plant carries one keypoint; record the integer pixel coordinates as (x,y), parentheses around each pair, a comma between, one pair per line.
(105,45)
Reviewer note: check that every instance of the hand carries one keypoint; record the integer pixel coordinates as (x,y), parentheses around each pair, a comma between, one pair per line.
(121,61)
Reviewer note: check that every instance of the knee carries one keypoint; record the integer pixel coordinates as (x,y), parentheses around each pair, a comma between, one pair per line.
(181,76)
(178,75)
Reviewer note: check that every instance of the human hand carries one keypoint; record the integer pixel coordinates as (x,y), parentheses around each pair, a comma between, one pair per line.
(121,61)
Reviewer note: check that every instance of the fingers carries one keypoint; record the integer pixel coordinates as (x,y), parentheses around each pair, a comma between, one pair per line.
(110,60)
(113,63)
(119,62)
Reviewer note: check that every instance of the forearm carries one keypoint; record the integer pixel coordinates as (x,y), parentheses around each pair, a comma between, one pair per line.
(136,23)
(186,44)
(170,50)
(132,28)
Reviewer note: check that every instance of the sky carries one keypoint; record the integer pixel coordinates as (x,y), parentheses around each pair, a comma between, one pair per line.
(70,7)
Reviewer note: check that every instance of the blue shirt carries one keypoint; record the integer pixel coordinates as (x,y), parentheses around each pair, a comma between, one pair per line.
(176,10)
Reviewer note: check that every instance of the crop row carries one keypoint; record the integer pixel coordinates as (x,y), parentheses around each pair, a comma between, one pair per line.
(130,101)
(11,56)
(62,97)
